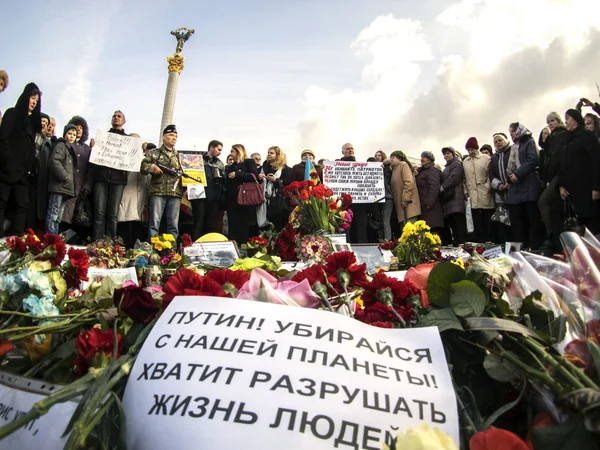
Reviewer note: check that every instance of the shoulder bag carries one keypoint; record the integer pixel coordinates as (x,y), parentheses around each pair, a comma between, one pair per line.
(251,194)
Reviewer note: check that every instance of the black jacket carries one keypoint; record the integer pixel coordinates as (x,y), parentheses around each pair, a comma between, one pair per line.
(17,137)
(551,154)
(107,174)
(286,173)
(580,171)
(243,174)
(61,169)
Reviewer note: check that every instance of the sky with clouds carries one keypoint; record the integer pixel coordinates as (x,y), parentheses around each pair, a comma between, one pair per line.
(389,74)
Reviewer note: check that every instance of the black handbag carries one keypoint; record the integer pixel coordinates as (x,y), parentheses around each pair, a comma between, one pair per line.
(447,194)
(571,220)
(82,214)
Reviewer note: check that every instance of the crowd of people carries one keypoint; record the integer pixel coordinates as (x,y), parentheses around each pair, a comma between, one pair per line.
(519,190)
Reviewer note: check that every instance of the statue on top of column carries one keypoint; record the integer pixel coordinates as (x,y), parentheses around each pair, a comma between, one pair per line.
(182,35)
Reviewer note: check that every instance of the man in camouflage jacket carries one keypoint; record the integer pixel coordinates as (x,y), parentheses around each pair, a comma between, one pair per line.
(165,188)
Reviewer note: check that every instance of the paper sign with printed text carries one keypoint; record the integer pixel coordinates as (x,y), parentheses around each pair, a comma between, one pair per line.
(362,180)
(220,373)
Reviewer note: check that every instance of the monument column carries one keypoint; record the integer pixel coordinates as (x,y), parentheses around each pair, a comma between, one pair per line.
(175,69)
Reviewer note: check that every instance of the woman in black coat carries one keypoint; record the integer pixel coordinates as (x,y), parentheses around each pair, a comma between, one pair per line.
(549,203)
(243,170)
(579,176)
(277,175)
(17,154)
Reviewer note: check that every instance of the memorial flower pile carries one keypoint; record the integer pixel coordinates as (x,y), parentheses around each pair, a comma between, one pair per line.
(514,328)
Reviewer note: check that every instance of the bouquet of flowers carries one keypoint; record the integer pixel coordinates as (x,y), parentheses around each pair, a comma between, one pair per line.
(417,244)
(255,245)
(317,210)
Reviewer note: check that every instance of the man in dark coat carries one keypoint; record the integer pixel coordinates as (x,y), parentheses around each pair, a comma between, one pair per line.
(579,176)
(17,153)
(108,186)
(429,181)
(38,192)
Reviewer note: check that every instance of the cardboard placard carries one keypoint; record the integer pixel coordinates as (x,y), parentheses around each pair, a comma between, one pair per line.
(192,163)
(117,151)
(221,373)
(362,180)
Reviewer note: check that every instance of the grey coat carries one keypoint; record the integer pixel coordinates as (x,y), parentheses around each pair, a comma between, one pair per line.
(529,187)
(429,180)
(453,176)
(60,169)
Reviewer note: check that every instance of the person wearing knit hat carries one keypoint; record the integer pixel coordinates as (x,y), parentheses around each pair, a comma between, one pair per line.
(479,191)
(61,185)
(472,143)
(427,154)
(298,169)
(576,116)
(579,176)
(404,189)
(429,181)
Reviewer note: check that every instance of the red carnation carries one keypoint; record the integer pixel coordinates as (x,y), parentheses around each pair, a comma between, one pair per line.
(76,268)
(304,195)
(231,280)
(16,244)
(400,290)
(95,349)
(381,313)
(314,274)
(188,282)
(136,303)
(345,261)
(54,249)
(186,240)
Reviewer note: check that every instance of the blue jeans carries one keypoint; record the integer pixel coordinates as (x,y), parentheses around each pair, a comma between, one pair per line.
(107,198)
(163,204)
(56,207)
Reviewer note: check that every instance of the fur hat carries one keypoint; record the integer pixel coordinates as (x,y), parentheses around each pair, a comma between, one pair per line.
(80,121)
(398,154)
(308,151)
(576,116)
(472,143)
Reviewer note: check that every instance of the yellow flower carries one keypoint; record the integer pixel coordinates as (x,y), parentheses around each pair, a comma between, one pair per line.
(421,225)
(158,245)
(155,239)
(437,239)
(177,256)
(35,351)
(359,302)
(423,437)
(168,237)
(430,237)
(167,244)
(459,262)
(409,228)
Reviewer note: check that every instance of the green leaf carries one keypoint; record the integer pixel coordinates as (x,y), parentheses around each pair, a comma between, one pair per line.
(444,319)
(502,307)
(467,299)
(500,369)
(566,436)
(440,281)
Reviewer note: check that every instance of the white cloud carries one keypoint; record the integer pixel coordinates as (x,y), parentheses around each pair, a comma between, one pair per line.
(75,94)
(518,60)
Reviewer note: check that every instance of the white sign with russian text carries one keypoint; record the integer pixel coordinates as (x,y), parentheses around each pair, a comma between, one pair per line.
(117,151)
(220,373)
(44,432)
(362,180)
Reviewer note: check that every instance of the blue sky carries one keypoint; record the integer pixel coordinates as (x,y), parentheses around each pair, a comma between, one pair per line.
(306,73)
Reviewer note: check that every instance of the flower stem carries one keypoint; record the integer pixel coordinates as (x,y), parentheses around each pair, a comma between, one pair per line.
(578,380)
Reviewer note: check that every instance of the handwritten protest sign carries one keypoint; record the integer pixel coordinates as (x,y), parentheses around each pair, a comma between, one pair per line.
(362,180)
(117,151)
(44,432)
(192,164)
(222,373)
